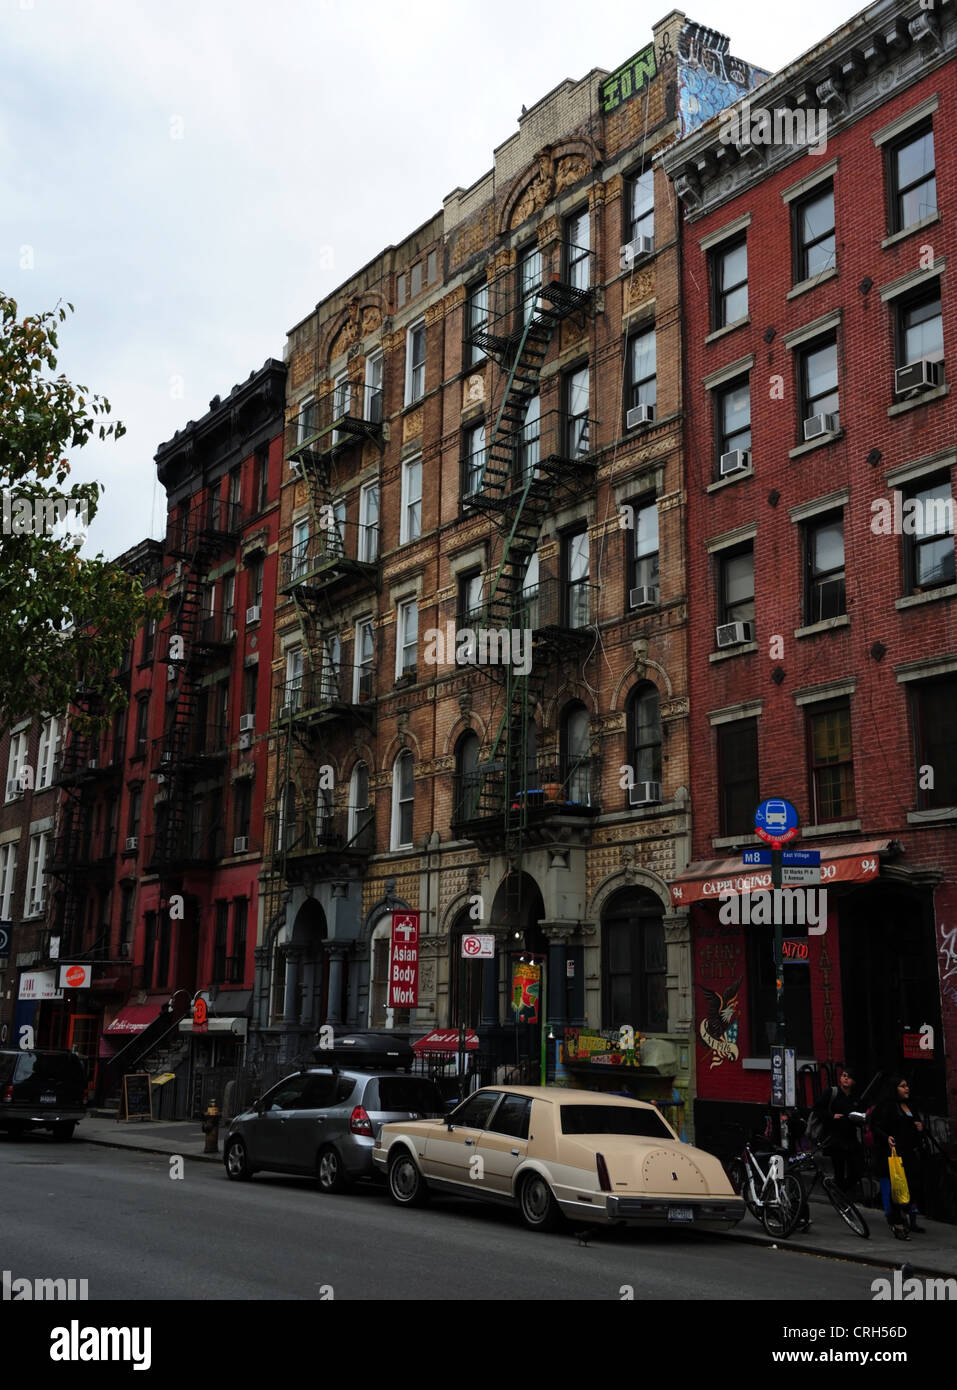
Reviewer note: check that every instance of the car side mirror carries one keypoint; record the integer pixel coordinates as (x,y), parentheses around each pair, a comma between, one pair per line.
(256,1104)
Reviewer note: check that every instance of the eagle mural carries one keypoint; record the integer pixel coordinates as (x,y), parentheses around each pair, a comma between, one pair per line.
(719,1028)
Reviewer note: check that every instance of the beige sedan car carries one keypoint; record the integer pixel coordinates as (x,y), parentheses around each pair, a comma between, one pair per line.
(557,1153)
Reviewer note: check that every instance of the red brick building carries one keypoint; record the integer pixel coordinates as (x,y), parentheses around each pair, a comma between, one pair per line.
(819,323)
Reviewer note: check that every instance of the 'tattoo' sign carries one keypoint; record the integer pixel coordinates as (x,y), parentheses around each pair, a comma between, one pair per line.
(404,961)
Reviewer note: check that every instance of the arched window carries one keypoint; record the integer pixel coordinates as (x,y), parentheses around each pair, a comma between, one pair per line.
(634,962)
(402,792)
(644,742)
(361,821)
(468,782)
(575,745)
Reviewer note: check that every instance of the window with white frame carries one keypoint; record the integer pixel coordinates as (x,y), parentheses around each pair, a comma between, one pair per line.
(306,422)
(577,249)
(49,747)
(474,470)
(36,877)
(292,694)
(410,522)
(300,548)
(342,402)
(476,321)
(529,282)
(415,362)
(8,874)
(16,763)
(402,800)
(529,441)
(407,637)
(374,378)
(360,816)
(365,654)
(331,664)
(369,523)
(336,535)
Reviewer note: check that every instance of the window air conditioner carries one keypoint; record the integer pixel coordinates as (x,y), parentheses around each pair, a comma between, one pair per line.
(247,723)
(240,844)
(91,764)
(14,789)
(644,596)
(917,376)
(644,794)
(639,415)
(253,614)
(132,842)
(733,634)
(245,740)
(635,250)
(734,461)
(818,425)
(124,948)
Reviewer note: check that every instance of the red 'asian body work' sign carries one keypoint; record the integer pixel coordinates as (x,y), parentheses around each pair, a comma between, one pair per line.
(404,961)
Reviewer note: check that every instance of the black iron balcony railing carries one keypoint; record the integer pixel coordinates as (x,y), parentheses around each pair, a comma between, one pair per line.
(347,414)
(216,630)
(572,787)
(341,551)
(559,280)
(560,606)
(335,688)
(176,847)
(301,835)
(209,521)
(185,745)
(530,456)
(84,760)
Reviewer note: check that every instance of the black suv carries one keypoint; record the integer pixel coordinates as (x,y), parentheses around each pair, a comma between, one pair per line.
(42,1090)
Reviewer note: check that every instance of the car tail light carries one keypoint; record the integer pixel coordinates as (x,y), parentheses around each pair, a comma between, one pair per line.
(604,1181)
(359,1122)
(8,1093)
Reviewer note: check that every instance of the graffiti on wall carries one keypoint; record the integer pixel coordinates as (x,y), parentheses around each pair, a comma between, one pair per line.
(709,77)
(948,963)
(719,1028)
(630,79)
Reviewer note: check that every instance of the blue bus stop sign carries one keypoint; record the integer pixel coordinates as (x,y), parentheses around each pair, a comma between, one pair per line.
(776,821)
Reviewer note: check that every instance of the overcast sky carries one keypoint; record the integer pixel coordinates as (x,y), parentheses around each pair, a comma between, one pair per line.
(194,175)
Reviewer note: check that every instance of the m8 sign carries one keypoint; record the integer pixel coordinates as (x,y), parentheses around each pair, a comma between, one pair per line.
(404,961)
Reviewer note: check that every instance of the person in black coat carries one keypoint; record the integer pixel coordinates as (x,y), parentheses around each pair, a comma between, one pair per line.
(842,1141)
(895,1123)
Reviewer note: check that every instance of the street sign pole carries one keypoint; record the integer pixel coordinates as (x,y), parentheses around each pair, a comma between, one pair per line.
(776,885)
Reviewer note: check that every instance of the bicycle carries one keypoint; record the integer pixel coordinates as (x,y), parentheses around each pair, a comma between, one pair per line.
(800,1164)
(774,1198)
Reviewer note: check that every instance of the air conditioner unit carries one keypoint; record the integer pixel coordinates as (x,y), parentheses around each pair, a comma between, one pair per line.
(295,466)
(245,740)
(635,250)
(286,711)
(132,842)
(639,415)
(733,634)
(253,614)
(240,844)
(171,672)
(644,794)
(36,908)
(166,757)
(14,790)
(644,596)
(734,461)
(160,779)
(124,948)
(91,763)
(247,723)
(818,425)
(917,376)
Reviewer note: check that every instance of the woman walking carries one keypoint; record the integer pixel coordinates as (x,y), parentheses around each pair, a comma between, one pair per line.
(895,1125)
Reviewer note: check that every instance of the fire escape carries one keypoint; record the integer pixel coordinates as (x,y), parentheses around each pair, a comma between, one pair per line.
(534,461)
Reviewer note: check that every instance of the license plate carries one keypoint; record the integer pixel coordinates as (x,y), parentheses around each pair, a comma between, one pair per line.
(48,1100)
(680,1214)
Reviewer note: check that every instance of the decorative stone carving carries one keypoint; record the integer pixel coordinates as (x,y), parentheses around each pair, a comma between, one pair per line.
(572,168)
(371,321)
(539,191)
(465,703)
(473,390)
(640,287)
(412,426)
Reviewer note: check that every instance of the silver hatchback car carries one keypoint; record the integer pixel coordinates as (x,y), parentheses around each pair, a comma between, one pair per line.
(324,1121)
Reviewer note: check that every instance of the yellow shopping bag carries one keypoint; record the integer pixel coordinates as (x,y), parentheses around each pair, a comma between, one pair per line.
(900,1192)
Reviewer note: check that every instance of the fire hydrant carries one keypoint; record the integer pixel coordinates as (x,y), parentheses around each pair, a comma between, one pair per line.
(211,1128)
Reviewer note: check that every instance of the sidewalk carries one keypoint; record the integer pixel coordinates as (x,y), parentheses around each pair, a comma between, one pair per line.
(934,1253)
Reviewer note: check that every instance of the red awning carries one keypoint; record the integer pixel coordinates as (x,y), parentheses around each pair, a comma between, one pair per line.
(856,861)
(135,1017)
(446,1040)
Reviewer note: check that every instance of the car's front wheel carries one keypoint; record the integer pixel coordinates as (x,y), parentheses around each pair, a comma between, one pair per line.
(406,1183)
(330,1174)
(539,1209)
(237,1161)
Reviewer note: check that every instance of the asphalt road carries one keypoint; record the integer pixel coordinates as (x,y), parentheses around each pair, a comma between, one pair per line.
(117,1219)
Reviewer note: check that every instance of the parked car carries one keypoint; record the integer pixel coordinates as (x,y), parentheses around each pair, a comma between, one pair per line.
(557,1153)
(323,1121)
(42,1089)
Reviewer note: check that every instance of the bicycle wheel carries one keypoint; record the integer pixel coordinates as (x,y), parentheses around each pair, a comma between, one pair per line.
(781,1214)
(846,1209)
(738,1178)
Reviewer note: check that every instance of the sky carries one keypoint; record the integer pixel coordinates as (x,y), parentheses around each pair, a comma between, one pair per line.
(195,175)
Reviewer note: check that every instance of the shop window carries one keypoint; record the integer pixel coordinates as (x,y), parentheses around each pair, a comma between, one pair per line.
(634,963)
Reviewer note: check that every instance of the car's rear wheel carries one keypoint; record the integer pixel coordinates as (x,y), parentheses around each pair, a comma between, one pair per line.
(63,1130)
(237,1161)
(539,1209)
(330,1174)
(406,1183)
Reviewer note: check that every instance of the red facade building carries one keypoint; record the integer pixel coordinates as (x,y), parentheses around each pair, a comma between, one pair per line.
(819,321)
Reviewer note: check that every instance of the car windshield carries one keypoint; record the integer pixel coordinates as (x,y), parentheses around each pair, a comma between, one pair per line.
(613,1119)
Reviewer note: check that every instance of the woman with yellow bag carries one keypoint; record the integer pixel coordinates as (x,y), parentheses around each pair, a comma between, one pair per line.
(898,1135)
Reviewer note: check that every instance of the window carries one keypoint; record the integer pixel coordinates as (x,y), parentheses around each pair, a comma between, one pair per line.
(306,426)
(369,523)
(576,412)
(817,368)
(342,402)
(292,692)
(8,875)
(133,814)
(530,282)
(402,793)
(234,494)
(254,582)
(575,563)
(832,768)
(575,750)
(641,206)
(336,534)
(149,639)
(415,362)
(431,267)
(577,250)
(928,511)
(250,689)
(236,963)
(476,322)
(736,585)
(642,369)
(763,998)
(468,782)
(323,814)
(364,658)
(16,765)
(813,234)
(47,754)
(127,898)
(530,614)
(219,942)
(475,1112)
(512,1117)
(920,329)
(415,280)
(469,615)
(733,416)
(529,443)
(634,963)
(474,461)
(407,637)
(262,478)
(824,595)
(911,179)
(330,670)
(299,557)
(729,283)
(400,284)
(142,725)
(288,811)
(737,776)
(410,524)
(229,603)
(242,806)
(361,826)
(932,710)
(374,396)
(643,550)
(36,878)
(644,734)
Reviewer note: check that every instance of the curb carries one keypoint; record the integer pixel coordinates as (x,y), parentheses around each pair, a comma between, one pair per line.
(143,1149)
(865,1258)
